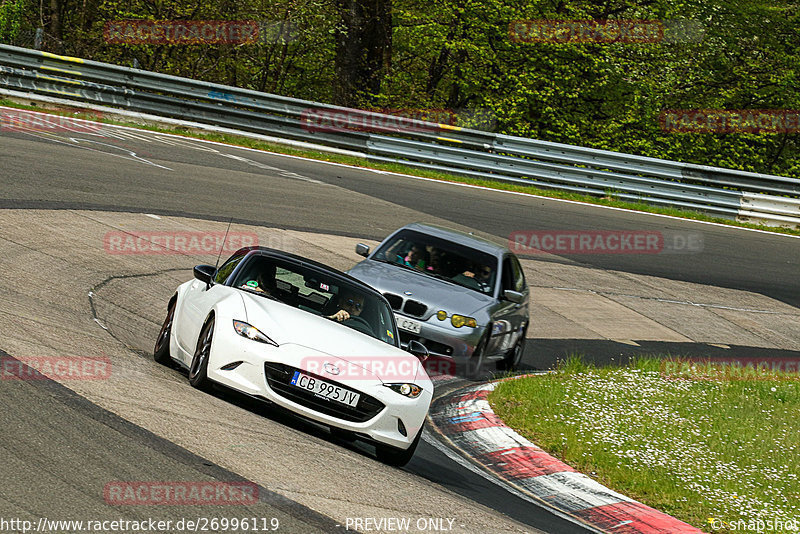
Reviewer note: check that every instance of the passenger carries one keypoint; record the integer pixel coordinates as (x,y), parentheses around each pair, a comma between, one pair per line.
(438,261)
(415,258)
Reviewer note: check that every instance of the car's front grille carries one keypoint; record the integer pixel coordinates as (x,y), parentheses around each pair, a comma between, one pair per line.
(433,346)
(395,301)
(279,376)
(417,309)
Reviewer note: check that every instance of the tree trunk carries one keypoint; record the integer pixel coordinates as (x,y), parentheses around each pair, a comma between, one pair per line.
(363,49)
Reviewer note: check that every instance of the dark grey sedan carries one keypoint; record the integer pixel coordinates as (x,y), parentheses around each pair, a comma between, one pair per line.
(463,297)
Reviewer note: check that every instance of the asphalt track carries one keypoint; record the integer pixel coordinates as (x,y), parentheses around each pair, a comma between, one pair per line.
(133,173)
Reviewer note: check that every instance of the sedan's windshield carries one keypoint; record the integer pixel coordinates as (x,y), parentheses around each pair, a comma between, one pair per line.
(440,258)
(322,293)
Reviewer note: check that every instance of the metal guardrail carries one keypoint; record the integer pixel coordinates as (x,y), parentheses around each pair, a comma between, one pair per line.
(754,197)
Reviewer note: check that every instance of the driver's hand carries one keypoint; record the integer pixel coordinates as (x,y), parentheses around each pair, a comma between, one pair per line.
(340,316)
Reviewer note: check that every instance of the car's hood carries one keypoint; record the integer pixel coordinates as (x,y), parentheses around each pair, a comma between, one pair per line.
(436,294)
(323,339)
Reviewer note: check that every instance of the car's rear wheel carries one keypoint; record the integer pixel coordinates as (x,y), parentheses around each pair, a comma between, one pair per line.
(198,370)
(161,349)
(397,457)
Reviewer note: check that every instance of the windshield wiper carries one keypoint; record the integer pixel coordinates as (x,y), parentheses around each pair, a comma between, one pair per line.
(261,294)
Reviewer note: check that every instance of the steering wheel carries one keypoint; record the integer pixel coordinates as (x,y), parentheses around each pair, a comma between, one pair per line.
(360,324)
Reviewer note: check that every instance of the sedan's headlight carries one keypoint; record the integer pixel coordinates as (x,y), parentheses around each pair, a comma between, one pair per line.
(407,390)
(251,332)
(461,320)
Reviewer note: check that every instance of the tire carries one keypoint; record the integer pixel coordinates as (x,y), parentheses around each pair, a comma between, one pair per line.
(475,363)
(514,357)
(161,348)
(397,457)
(198,371)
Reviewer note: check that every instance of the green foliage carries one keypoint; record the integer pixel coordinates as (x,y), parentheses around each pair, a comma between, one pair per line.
(11,18)
(457,55)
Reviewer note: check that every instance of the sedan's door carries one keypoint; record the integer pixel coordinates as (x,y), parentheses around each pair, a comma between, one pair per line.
(509,319)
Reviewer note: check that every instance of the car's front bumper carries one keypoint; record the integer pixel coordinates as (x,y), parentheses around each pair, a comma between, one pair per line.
(250,377)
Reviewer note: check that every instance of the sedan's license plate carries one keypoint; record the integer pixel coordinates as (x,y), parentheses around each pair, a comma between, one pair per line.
(324,389)
(409,325)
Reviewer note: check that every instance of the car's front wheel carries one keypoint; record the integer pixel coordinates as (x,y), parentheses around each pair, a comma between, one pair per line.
(514,357)
(475,363)
(161,349)
(198,370)
(397,457)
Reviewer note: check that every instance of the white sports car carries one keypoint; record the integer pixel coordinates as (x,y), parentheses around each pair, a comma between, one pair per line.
(304,336)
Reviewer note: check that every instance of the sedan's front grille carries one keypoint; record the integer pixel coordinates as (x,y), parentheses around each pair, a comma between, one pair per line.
(395,301)
(417,309)
(279,376)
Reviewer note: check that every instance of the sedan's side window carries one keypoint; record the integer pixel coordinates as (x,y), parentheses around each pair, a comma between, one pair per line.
(513,278)
(519,275)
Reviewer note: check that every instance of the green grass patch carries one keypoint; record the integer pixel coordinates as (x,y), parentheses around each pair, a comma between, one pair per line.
(707,444)
(244,141)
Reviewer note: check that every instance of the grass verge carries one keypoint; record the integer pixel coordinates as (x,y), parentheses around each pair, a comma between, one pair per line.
(243,141)
(707,444)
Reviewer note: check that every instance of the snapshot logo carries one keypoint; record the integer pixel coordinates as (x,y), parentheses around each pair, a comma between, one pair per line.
(604,242)
(26,121)
(770,121)
(605,31)
(732,368)
(180,493)
(55,368)
(120,243)
(181,32)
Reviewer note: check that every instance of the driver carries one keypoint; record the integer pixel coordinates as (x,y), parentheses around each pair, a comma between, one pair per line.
(349,306)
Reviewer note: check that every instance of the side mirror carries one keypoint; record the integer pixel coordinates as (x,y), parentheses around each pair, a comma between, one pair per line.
(418,349)
(362,250)
(204,273)
(514,296)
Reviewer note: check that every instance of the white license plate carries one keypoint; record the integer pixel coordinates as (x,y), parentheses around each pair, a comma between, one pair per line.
(409,325)
(324,389)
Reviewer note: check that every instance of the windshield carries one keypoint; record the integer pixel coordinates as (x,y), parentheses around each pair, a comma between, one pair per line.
(319,292)
(441,259)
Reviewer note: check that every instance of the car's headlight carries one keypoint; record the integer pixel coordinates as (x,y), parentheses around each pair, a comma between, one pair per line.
(407,390)
(461,320)
(251,332)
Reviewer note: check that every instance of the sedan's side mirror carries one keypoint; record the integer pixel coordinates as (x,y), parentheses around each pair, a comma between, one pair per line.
(362,250)
(514,296)
(204,273)
(418,349)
